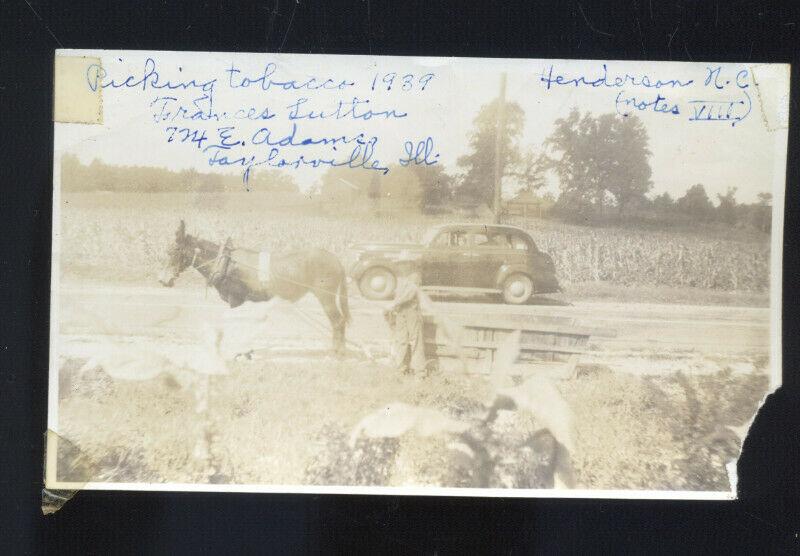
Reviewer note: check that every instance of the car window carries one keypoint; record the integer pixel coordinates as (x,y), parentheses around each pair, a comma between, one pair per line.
(501,240)
(433,234)
(497,240)
(518,242)
(458,239)
(480,240)
(450,239)
(442,240)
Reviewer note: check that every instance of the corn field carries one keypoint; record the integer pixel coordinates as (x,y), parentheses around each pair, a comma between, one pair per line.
(648,258)
(119,237)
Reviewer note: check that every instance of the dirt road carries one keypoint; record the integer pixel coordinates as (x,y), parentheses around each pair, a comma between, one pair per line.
(623,333)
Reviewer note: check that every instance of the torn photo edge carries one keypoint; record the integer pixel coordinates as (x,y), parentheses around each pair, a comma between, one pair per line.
(776,274)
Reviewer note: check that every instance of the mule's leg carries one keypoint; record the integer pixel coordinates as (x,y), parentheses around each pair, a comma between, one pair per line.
(328,302)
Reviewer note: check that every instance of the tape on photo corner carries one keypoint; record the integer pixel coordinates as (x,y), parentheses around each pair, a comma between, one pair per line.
(74,101)
(772,86)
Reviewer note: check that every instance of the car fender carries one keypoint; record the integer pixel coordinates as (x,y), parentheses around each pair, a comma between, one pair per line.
(357,269)
(361,266)
(507,270)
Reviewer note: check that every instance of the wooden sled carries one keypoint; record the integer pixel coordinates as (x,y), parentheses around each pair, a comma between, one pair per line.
(513,344)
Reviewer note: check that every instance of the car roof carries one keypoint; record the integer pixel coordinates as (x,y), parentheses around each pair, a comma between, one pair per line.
(477,227)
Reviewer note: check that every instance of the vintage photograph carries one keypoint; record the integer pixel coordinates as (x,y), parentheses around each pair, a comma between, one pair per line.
(314,273)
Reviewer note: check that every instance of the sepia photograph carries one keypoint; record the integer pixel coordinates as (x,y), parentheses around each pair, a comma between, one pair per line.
(407,275)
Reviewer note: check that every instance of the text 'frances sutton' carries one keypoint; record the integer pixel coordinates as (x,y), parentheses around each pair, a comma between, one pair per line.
(294,127)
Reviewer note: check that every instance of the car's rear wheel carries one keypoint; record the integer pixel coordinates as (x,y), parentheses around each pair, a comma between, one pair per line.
(517,289)
(377,283)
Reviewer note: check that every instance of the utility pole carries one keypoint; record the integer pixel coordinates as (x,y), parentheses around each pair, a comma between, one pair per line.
(498,149)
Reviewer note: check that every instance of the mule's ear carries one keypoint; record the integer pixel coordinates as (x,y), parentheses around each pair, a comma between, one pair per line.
(181,233)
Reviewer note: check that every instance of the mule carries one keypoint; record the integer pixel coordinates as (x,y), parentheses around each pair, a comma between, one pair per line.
(239,275)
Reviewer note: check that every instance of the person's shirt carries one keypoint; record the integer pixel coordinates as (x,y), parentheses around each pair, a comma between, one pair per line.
(407,292)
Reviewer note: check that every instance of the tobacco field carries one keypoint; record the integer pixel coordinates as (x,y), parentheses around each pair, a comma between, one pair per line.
(121,237)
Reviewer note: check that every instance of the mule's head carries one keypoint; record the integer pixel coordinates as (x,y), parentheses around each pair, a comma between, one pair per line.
(179,257)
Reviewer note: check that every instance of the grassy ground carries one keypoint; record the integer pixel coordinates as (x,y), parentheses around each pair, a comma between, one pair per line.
(286,423)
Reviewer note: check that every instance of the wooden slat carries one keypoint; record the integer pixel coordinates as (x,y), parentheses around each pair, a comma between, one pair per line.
(524,327)
(494,337)
(527,347)
(543,329)
(543,341)
(452,351)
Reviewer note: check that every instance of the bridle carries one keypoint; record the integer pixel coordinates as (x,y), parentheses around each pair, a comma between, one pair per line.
(194,257)
(197,251)
(220,261)
(192,264)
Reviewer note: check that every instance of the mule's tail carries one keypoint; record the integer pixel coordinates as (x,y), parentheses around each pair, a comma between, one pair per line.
(344,304)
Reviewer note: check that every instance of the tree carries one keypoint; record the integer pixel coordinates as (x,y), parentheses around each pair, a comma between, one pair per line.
(374,187)
(628,169)
(726,211)
(190,180)
(763,218)
(664,203)
(209,183)
(73,176)
(695,204)
(602,162)
(100,177)
(345,185)
(759,214)
(435,183)
(530,170)
(401,189)
(478,182)
(273,181)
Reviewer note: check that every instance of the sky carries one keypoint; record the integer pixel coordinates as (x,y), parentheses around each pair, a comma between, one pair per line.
(749,155)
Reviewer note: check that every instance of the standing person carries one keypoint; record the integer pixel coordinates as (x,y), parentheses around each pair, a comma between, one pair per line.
(408,348)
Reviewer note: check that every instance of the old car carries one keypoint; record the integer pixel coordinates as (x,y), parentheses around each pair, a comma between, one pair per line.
(464,259)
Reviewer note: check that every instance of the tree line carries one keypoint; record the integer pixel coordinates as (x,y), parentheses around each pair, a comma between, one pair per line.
(602,165)
(99,176)
(604,176)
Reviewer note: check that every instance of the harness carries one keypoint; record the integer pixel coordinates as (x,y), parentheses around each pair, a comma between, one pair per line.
(221,264)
